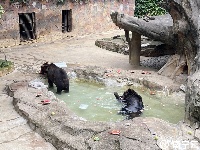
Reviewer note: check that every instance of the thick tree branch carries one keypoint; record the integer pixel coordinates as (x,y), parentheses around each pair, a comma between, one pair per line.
(159,29)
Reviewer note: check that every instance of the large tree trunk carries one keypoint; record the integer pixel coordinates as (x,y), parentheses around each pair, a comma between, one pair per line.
(182,32)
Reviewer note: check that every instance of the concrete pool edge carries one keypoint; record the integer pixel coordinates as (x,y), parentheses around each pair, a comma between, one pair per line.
(127,77)
(65,130)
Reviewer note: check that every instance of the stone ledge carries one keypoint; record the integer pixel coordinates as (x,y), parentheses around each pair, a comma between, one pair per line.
(148,79)
(66,130)
(149,48)
(119,46)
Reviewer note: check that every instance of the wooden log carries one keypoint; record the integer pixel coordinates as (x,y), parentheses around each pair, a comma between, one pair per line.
(135,49)
(159,29)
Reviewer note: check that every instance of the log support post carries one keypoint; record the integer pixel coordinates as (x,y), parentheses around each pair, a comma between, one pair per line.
(134,47)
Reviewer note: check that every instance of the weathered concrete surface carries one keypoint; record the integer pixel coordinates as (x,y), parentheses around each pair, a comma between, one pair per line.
(65,130)
(15,133)
(88,18)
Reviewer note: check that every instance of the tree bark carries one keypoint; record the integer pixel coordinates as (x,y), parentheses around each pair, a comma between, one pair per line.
(134,49)
(159,29)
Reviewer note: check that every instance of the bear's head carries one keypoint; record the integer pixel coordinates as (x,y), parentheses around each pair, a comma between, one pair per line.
(44,68)
(129,93)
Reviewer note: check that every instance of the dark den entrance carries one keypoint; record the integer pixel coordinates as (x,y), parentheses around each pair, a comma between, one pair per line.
(27,26)
(66,21)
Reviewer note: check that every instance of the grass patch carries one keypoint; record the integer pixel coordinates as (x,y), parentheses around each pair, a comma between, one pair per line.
(5,67)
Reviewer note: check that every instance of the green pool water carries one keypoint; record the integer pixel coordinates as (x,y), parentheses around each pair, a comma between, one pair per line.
(97,103)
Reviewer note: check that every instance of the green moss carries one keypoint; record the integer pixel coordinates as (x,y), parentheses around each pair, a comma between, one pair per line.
(6,65)
(1,10)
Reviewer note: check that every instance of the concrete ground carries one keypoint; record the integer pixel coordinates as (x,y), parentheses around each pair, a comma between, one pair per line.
(14,132)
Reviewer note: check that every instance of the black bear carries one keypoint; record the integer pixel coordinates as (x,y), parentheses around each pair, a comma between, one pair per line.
(44,68)
(132,103)
(57,76)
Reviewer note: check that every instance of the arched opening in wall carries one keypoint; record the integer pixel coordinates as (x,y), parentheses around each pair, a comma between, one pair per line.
(27,26)
(66,21)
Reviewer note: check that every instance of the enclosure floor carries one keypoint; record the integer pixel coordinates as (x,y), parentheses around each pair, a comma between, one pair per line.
(14,131)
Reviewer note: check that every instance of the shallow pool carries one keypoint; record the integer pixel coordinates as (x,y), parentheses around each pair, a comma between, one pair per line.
(97,103)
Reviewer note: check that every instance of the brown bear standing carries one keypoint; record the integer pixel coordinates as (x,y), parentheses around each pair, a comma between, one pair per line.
(56,75)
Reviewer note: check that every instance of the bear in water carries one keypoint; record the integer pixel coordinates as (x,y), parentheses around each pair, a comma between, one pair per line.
(57,76)
(132,103)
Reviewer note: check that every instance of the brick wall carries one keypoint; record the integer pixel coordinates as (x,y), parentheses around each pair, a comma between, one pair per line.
(87,18)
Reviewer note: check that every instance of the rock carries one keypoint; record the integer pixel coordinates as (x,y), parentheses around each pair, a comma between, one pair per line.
(192,99)
(51,95)
(149,48)
(155,62)
(183,88)
(72,75)
(197,134)
(117,44)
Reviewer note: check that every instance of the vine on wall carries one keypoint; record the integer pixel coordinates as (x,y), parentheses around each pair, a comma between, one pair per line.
(20,1)
(148,8)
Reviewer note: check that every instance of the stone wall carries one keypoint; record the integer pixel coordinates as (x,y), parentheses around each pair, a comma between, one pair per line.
(87,18)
